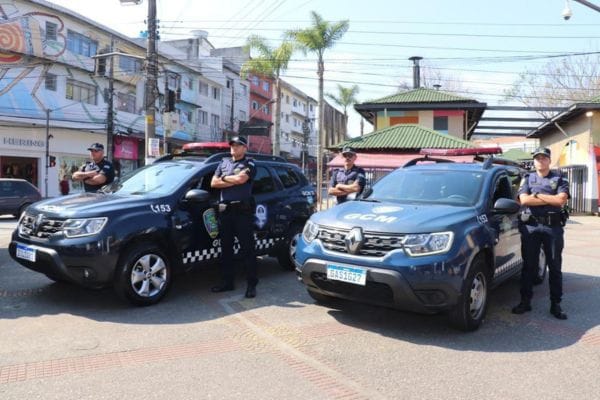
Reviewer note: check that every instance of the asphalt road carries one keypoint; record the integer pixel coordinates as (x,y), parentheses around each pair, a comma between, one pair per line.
(62,342)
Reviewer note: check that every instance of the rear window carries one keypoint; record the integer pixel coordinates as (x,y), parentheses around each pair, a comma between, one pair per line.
(287,176)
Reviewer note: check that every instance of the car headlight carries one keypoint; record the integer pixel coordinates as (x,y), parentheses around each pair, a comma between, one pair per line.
(310,231)
(424,244)
(83,227)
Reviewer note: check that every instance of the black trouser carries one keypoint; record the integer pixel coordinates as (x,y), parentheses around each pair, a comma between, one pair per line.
(237,221)
(532,238)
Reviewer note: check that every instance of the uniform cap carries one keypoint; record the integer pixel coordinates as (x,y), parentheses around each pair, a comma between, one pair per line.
(239,140)
(96,146)
(348,150)
(543,151)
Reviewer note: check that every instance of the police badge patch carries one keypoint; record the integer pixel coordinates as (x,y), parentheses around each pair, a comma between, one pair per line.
(210,223)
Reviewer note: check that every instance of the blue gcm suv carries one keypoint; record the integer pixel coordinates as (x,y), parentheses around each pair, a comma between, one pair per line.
(429,237)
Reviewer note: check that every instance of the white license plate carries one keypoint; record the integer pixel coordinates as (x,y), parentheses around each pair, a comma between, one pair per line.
(357,276)
(25,252)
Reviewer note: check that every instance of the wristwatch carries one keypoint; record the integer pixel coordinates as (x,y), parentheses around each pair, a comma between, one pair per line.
(535,195)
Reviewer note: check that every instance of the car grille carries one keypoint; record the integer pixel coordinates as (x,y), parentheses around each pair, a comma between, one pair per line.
(40,227)
(374,245)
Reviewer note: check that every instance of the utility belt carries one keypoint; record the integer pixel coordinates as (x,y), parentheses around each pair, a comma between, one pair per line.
(235,205)
(550,219)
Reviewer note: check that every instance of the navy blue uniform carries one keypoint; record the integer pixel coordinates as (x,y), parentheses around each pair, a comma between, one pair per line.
(347,177)
(544,227)
(104,167)
(236,219)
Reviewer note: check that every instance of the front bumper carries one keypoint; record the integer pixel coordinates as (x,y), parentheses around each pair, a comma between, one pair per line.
(87,263)
(384,287)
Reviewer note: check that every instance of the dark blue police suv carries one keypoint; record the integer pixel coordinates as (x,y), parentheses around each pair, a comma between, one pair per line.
(429,237)
(138,232)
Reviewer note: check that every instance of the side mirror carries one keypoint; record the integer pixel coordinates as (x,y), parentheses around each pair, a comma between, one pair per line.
(197,196)
(506,206)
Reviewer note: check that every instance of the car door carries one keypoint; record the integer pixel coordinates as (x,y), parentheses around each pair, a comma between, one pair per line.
(268,223)
(9,198)
(505,226)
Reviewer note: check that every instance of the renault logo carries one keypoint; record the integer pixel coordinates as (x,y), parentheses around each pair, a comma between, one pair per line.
(37,222)
(354,240)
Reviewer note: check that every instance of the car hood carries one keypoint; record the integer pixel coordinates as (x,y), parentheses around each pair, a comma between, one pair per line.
(394,217)
(88,204)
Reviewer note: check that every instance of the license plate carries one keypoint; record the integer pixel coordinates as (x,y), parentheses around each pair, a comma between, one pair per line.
(357,276)
(25,252)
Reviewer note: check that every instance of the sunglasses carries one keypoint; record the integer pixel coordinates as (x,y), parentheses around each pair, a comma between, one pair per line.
(348,155)
(95,151)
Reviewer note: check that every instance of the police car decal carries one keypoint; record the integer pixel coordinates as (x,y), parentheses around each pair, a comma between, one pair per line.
(370,217)
(215,250)
(482,219)
(260,216)
(310,196)
(209,217)
(160,208)
(386,209)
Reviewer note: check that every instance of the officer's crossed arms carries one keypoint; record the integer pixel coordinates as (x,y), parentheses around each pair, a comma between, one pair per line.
(540,199)
(95,178)
(226,181)
(341,189)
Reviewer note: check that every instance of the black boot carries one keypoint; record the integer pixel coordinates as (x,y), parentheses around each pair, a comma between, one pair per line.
(557,311)
(251,290)
(223,287)
(522,307)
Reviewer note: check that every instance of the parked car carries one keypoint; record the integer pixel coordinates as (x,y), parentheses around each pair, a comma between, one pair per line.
(138,232)
(429,237)
(16,195)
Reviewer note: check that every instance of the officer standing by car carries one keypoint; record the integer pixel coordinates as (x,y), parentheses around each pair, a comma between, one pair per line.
(234,177)
(349,182)
(543,193)
(97,172)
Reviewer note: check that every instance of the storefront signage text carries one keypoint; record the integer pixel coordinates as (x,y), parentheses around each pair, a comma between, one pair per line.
(23,142)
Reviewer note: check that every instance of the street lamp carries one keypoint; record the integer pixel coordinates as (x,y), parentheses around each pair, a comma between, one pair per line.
(567,13)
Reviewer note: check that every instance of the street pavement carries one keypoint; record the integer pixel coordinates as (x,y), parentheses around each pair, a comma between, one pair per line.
(63,342)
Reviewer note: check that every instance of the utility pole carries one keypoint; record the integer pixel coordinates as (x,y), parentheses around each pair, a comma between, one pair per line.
(110,123)
(150,84)
(47,152)
(232,104)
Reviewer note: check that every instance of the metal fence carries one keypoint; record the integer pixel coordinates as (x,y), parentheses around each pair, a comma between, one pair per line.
(577,175)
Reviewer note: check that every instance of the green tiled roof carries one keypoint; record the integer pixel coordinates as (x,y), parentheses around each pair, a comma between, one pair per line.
(421,95)
(405,137)
(517,155)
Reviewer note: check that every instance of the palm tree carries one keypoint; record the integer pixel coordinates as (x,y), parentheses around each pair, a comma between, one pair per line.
(322,35)
(345,98)
(271,62)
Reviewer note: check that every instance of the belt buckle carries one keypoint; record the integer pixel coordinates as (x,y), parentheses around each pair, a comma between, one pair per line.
(222,207)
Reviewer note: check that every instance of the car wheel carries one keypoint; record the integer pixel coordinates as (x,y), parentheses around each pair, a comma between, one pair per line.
(286,254)
(143,275)
(21,209)
(319,297)
(541,269)
(470,310)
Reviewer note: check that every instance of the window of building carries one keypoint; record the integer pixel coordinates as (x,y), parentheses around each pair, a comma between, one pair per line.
(80,91)
(229,83)
(287,99)
(265,109)
(50,82)
(190,83)
(202,117)
(303,107)
(255,105)
(243,116)
(440,124)
(243,89)
(310,107)
(227,111)
(130,65)
(265,86)
(82,45)
(203,88)
(287,118)
(189,116)
(216,93)
(255,81)
(126,102)
(215,120)
(51,31)
(295,102)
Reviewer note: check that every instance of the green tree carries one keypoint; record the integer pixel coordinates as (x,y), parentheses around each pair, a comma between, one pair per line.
(317,38)
(345,98)
(270,62)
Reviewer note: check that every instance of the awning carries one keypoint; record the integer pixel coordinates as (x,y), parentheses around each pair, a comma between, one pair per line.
(387,160)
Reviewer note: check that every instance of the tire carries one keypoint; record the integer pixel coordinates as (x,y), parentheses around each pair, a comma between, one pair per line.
(541,270)
(469,313)
(319,297)
(21,209)
(285,256)
(143,274)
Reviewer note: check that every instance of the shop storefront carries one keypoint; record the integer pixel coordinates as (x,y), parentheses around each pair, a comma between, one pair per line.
(22,151)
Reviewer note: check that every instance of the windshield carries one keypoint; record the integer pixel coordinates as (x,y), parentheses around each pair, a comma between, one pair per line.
(459,188)
(154,180)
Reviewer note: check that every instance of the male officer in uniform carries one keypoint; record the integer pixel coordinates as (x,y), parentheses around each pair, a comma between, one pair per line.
(234,177)
(349,182)
(95,173)
(544,193)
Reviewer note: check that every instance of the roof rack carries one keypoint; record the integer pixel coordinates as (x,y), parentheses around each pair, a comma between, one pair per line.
(489,161)
(218,156)
(414,161)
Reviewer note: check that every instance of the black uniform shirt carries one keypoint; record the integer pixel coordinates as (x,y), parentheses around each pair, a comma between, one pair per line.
(551,184)
(347,177)
(104,167)
(228,166)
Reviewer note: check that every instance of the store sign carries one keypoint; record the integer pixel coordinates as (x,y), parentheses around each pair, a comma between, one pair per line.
(20,142)
(126,148)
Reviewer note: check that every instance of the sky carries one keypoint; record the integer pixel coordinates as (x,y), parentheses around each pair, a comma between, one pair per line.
(479,47)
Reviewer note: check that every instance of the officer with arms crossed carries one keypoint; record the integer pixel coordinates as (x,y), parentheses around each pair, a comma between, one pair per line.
(95,173)
(544,193)
(236,214)
(349,182)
